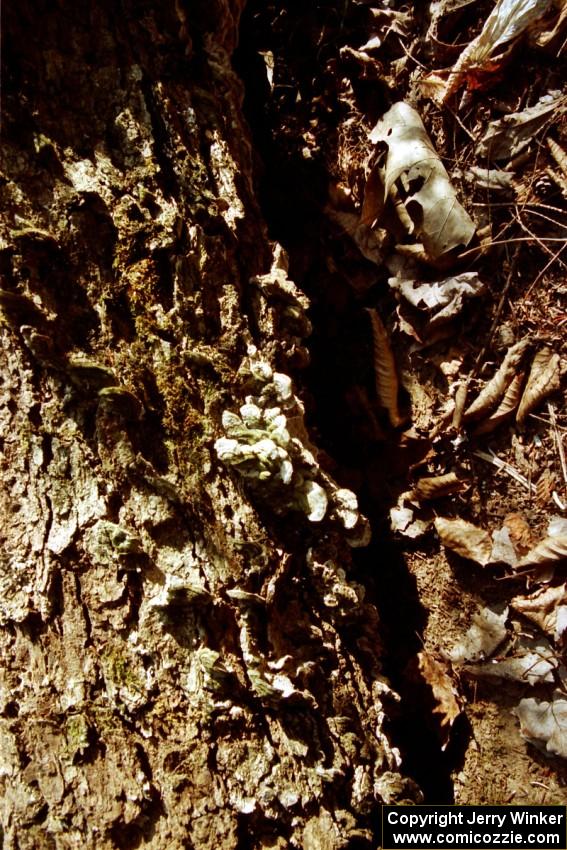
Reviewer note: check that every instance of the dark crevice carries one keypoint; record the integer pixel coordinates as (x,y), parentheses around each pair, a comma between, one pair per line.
(363,453)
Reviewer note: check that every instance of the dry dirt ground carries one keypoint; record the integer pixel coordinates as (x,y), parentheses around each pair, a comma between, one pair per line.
(392,380)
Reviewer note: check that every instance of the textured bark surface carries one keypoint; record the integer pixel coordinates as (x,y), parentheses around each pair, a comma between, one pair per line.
(184,659)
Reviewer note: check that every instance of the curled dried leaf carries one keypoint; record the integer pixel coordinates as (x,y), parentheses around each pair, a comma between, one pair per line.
(508,136)
(544,378)
(486,633)
(445,694)
(557,151)
(519,531)
(543,607)
(373,201)
(467,540)
(385,369)
(460,401)
(548,551)
(495,388)
(531,661)
(545,486)
(437,486)
(506,407)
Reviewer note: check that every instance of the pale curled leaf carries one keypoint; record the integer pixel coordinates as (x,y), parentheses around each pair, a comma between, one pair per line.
(544,378)
(491,180)
(486,633)
(532,662)
(543,608)
(505,138)
(442,300)
(415,169)
(545,723)
(550,550)
(466,539)
(490,395)
(403,520)
(437,486)
(385,369)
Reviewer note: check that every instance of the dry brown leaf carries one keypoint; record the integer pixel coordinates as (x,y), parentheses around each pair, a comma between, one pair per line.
(545,38)
(373,201)
(444,692)
(542,607)
(545,486)
(385,369)
(506,407)
(495,388)
(460,400)
(548,551)
(371,242)
(557,151)
(558,178)
(544,378)
(437,486)
(464,538)
(520,532)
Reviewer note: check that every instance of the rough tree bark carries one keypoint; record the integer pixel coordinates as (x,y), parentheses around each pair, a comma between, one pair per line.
(184,660)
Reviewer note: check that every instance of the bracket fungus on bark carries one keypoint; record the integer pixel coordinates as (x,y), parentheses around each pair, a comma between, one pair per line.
(267,445)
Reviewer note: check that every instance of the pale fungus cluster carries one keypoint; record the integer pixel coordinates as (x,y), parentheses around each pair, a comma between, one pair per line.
(267,444)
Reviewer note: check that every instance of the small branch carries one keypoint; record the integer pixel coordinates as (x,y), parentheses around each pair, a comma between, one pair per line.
(558,442)
(505,467)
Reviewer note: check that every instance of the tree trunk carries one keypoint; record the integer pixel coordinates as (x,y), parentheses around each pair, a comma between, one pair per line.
(185,660)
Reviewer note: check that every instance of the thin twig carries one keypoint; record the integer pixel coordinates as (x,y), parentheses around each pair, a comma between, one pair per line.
(499,307)
(505,467)
(480,248)
(536,238)
(545,268)
(558,442)
(546,218)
